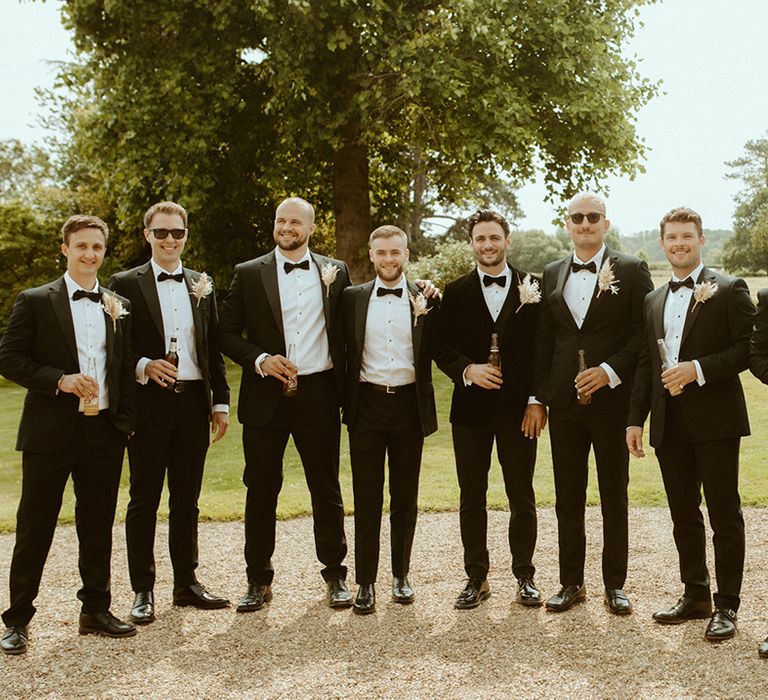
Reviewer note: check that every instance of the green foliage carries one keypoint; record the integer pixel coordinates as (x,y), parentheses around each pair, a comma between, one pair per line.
(452,259)
(532,250)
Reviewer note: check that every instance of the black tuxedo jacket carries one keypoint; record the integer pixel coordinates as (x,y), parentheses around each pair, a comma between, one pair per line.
(717,334)
(39,347)
(611,332)
(355,304)
(253,305)
(758,347)
(148,335)
(463,337)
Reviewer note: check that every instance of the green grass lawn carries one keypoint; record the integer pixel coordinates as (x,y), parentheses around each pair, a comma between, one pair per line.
(223,492)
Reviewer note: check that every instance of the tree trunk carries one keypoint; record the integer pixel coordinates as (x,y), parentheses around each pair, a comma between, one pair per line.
(352,207)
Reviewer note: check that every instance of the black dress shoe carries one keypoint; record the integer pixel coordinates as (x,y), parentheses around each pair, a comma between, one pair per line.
(339,596)
(527,593)
(14,639)
(721,626)
(566,598)
(143,610)
(401,590)
(617,601)
(105,624)
(365,600)
(684,609)
(197,596)
(762,650)
(257,596)
(474,593)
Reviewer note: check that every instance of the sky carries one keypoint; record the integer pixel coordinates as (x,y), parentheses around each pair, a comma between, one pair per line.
(711,56)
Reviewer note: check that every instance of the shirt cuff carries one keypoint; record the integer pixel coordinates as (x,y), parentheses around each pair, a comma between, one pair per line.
(141,370)
(464,376)
(613,378)
(699,374)
(258,362)
(221,408)
(533,401)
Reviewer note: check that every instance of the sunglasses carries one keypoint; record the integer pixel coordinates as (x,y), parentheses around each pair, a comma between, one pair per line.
(162,233)
(593,217)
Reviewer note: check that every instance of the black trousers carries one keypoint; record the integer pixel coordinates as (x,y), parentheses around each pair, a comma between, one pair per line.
(387,425)
(312,419)
(472,446)
(172,437)
(572,432)
(686,466)
(94,458)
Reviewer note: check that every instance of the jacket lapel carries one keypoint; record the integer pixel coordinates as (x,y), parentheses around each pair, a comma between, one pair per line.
(361,316)
(694,309)
(417,329)
(657,311)
(319,261)
(268,271)
(110,332)
(197,316)
(562,276)
(511,303)
(146,281)
(597,296)
(60,301)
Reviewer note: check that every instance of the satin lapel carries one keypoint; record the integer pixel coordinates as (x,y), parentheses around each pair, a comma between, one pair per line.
(268,272)
(693,313)
(511,303)
(562,277)
(146,281)
(60,301)
(189,280)
(320,261)
(657,312)
(110,332)
(597,296)
(361,316)
(417,329)
(476,297)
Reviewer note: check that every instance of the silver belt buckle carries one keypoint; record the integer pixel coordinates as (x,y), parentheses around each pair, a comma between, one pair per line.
(391,389)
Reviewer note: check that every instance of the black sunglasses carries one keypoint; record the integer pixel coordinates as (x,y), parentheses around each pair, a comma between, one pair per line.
(162,233)
(593,217)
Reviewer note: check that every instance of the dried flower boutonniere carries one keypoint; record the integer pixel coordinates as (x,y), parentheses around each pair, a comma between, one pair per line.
(606,280)
(703,291)
(202,287)
(419,306)
(113,307)
(328,275)
(529,291)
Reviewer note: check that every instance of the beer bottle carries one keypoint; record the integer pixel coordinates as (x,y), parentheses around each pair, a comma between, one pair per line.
(666,363)
(494,358)
(583,399)
(90,406)
(172,356)
(291,387)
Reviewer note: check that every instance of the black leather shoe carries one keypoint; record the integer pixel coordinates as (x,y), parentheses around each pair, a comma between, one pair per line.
(255,598)
(684,609)
(197,596)
(365,600)
(474,593)
(105,624)
(15,639)
(339,596)
(527,593)
(401,591)
(143,610)
(617,601)
(566,598)
(721,626)
(762,650)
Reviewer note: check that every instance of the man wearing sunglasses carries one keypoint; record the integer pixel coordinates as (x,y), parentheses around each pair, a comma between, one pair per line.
(592,300)
(175,407)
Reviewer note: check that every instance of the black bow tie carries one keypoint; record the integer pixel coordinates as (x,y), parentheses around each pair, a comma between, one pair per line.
(576,267)
(82,294)
(383,291)
(501,281)
(674,286)
(165,276)
(290,267)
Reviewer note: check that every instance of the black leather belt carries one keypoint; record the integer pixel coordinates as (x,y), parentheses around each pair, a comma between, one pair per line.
(188,385)
(387,389)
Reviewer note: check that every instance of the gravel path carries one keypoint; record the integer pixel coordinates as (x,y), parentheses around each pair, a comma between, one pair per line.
(297,647)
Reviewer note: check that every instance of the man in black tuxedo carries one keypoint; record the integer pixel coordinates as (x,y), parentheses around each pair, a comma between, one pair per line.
(758,365)
(389,408)
(174,407)
(288,302)
(698,415)
(68,343)
(592,300)
(491,404)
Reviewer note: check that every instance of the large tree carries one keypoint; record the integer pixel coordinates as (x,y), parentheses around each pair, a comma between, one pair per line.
(361,105)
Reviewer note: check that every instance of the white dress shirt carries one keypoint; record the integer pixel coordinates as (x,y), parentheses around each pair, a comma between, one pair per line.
(388,346)
(675,314)
(577,293)
(495,295)
(90,325)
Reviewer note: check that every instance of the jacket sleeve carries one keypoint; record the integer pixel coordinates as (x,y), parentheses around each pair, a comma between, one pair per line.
(758,346)
(217,370)
(446,356)
(231,324)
